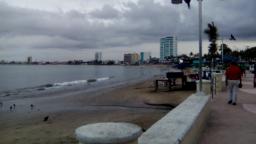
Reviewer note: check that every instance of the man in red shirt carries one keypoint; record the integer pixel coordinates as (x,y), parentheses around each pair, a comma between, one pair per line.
(233,75)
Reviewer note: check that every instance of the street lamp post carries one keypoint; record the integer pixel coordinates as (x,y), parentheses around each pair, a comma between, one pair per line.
(200,40)
(200,43)
(222,51)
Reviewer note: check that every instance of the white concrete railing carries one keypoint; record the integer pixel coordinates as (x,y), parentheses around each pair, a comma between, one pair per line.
(183,125)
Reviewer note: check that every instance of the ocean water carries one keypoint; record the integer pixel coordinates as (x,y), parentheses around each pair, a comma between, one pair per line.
(28,79)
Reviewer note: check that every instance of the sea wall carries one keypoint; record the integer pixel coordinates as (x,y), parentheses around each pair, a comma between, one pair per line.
(182,125)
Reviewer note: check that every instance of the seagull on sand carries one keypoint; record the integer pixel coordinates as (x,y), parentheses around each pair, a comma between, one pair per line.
(31,106)
(46,118)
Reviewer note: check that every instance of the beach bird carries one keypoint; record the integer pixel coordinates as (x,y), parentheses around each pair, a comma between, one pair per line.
(10,108)
(46,118)
(232,37)
(188,3)
(14,106)
(31,106)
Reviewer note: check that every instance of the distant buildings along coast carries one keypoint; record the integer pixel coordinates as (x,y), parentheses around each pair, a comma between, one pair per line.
(135,58)
(145,57)
(168,47)
(29,60)
(98,56)
(131,58)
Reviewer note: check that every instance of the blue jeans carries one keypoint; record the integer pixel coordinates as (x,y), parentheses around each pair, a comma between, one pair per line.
(232,89)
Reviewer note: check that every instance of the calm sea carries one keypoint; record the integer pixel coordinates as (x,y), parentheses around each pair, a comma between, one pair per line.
(17,79)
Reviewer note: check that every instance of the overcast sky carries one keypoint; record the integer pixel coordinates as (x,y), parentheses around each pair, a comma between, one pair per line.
(65,29)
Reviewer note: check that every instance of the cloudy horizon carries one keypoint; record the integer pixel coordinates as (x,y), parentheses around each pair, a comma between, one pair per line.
(64,30)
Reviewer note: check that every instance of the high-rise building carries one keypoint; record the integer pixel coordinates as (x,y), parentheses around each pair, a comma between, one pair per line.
(98,56)
(29,59)
(131,58)
(168,47)
(145,57)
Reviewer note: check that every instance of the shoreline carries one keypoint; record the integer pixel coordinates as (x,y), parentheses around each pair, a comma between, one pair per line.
(72,90)
(75,84)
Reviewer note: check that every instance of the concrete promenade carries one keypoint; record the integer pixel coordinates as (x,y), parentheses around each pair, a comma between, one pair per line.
(230,124)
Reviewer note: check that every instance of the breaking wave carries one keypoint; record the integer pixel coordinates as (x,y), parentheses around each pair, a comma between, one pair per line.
(77,82)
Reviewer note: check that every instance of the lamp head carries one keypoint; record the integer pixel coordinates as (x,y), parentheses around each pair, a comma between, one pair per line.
(177,1)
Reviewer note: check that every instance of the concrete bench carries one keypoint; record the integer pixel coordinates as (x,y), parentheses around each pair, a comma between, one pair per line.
(108,133)
(183,125)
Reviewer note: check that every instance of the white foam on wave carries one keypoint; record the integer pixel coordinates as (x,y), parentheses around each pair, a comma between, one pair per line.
(70,83)
(76,82)
(103,79)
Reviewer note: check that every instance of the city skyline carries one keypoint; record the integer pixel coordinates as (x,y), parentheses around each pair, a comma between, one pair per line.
(60,30)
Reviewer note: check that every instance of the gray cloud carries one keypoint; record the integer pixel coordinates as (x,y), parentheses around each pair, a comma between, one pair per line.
(233,17)
(107,12)
(142,22)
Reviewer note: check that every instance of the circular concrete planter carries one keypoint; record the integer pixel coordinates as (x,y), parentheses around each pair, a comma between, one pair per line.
(107,133)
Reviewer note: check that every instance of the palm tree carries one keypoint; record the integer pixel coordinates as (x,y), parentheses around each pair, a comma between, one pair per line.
(212,33)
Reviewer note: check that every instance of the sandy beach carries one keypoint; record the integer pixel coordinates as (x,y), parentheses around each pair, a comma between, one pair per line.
(136,103)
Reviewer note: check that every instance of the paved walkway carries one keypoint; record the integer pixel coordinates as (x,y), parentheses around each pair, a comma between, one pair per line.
(230,124)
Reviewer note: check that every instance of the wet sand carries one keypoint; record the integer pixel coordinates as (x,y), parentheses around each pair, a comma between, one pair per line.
(129,103)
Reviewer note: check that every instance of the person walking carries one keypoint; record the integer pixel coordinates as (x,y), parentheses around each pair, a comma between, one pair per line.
(233,75)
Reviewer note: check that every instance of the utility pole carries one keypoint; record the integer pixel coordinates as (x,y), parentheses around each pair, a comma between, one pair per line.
(222,51)
(200,44)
